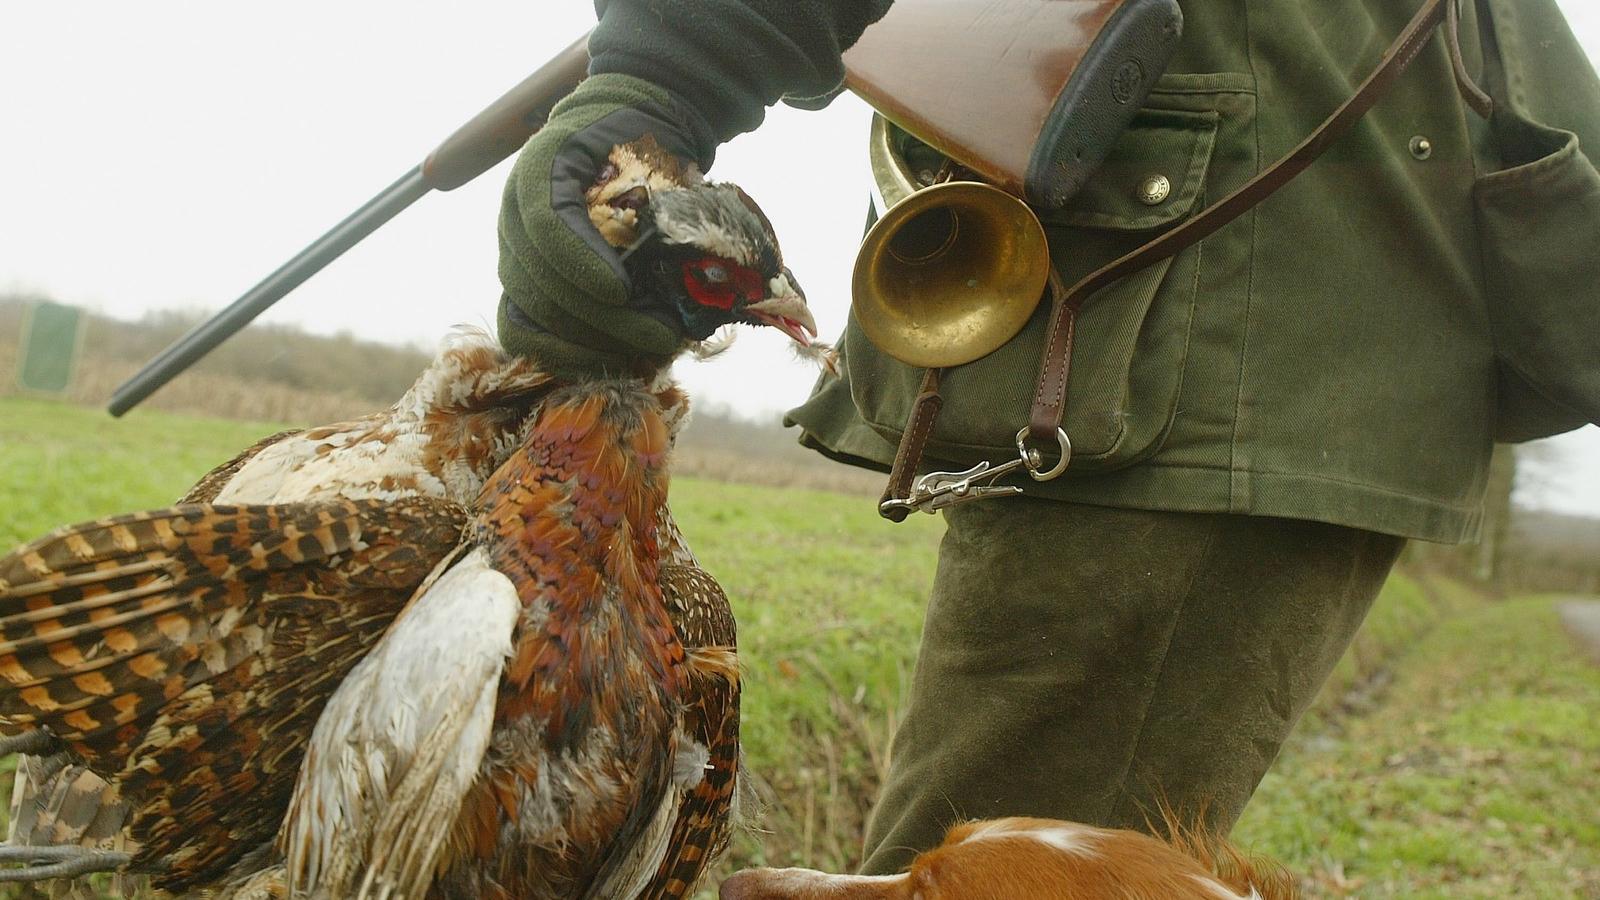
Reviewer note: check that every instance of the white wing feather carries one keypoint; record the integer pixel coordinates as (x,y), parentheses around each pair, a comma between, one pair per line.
(400,743)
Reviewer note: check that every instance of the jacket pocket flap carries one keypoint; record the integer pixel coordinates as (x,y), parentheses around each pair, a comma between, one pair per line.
(1154,175)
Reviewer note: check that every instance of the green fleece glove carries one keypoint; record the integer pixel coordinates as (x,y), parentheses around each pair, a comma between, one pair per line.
(566,296)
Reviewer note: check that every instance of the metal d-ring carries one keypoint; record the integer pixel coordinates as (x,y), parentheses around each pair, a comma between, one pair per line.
(1032,459)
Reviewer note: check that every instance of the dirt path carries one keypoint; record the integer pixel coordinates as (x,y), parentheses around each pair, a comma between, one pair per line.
(1582,618)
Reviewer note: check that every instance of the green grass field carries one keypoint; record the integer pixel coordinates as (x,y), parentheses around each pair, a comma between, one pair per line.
(1477,774)
(1459,759)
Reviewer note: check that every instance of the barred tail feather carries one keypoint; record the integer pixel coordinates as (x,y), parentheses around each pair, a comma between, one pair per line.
(68,804)
(103,622)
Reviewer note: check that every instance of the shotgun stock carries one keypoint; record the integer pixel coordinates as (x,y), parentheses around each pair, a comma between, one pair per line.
(1028,94)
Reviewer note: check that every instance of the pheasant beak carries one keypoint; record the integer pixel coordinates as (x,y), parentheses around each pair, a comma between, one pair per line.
(785,310)
(797,324)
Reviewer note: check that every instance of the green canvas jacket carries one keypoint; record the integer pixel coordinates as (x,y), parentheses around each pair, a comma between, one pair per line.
(1349,350)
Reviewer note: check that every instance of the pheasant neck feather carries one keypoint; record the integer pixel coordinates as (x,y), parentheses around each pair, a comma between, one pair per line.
(573,520)
(580,759)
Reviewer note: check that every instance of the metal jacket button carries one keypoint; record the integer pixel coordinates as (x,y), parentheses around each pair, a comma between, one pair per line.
(1154,190)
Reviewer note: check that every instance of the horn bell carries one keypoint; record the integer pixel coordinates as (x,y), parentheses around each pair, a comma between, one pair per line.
(949,274)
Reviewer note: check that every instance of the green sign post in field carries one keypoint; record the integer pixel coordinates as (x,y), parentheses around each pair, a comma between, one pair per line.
(51,335)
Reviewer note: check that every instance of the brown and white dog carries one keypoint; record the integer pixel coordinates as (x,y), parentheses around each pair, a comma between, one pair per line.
(1018,859)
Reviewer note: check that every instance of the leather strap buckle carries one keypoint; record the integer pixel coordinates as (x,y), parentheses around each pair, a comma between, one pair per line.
(942,490)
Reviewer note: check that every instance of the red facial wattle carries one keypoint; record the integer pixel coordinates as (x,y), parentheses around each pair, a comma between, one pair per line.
(721,283)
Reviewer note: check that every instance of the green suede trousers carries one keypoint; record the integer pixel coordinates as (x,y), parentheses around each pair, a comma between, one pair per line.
(1082,662)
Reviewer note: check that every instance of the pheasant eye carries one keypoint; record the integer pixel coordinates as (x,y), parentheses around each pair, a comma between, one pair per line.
(706,281)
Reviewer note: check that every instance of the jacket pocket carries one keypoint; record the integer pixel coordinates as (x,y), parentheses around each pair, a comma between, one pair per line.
(1131,339)
(1539,233)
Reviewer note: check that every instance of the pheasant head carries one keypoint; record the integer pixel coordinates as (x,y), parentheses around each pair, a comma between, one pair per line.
(700,253)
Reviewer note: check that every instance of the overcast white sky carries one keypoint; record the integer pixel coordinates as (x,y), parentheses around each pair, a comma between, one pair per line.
(169,154)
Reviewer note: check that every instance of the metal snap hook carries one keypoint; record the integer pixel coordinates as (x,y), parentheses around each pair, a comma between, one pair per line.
(1032,459)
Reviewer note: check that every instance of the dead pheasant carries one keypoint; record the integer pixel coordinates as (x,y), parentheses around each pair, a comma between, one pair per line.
(175,661)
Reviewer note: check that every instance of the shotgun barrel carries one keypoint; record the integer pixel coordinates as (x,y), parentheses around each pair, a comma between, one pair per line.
(474,148)
(203,338)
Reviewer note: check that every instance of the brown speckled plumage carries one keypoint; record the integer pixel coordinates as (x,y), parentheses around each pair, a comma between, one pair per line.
(607,763)
(710,717)
(597,672)
(183,655)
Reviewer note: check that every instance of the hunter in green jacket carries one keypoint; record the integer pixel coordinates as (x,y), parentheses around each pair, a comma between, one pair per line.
(1258,423)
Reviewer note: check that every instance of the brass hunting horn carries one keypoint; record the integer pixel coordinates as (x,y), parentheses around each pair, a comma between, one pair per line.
(952,270)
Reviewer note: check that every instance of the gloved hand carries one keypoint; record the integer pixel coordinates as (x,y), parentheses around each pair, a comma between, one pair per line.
(721,62)
(566,294)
